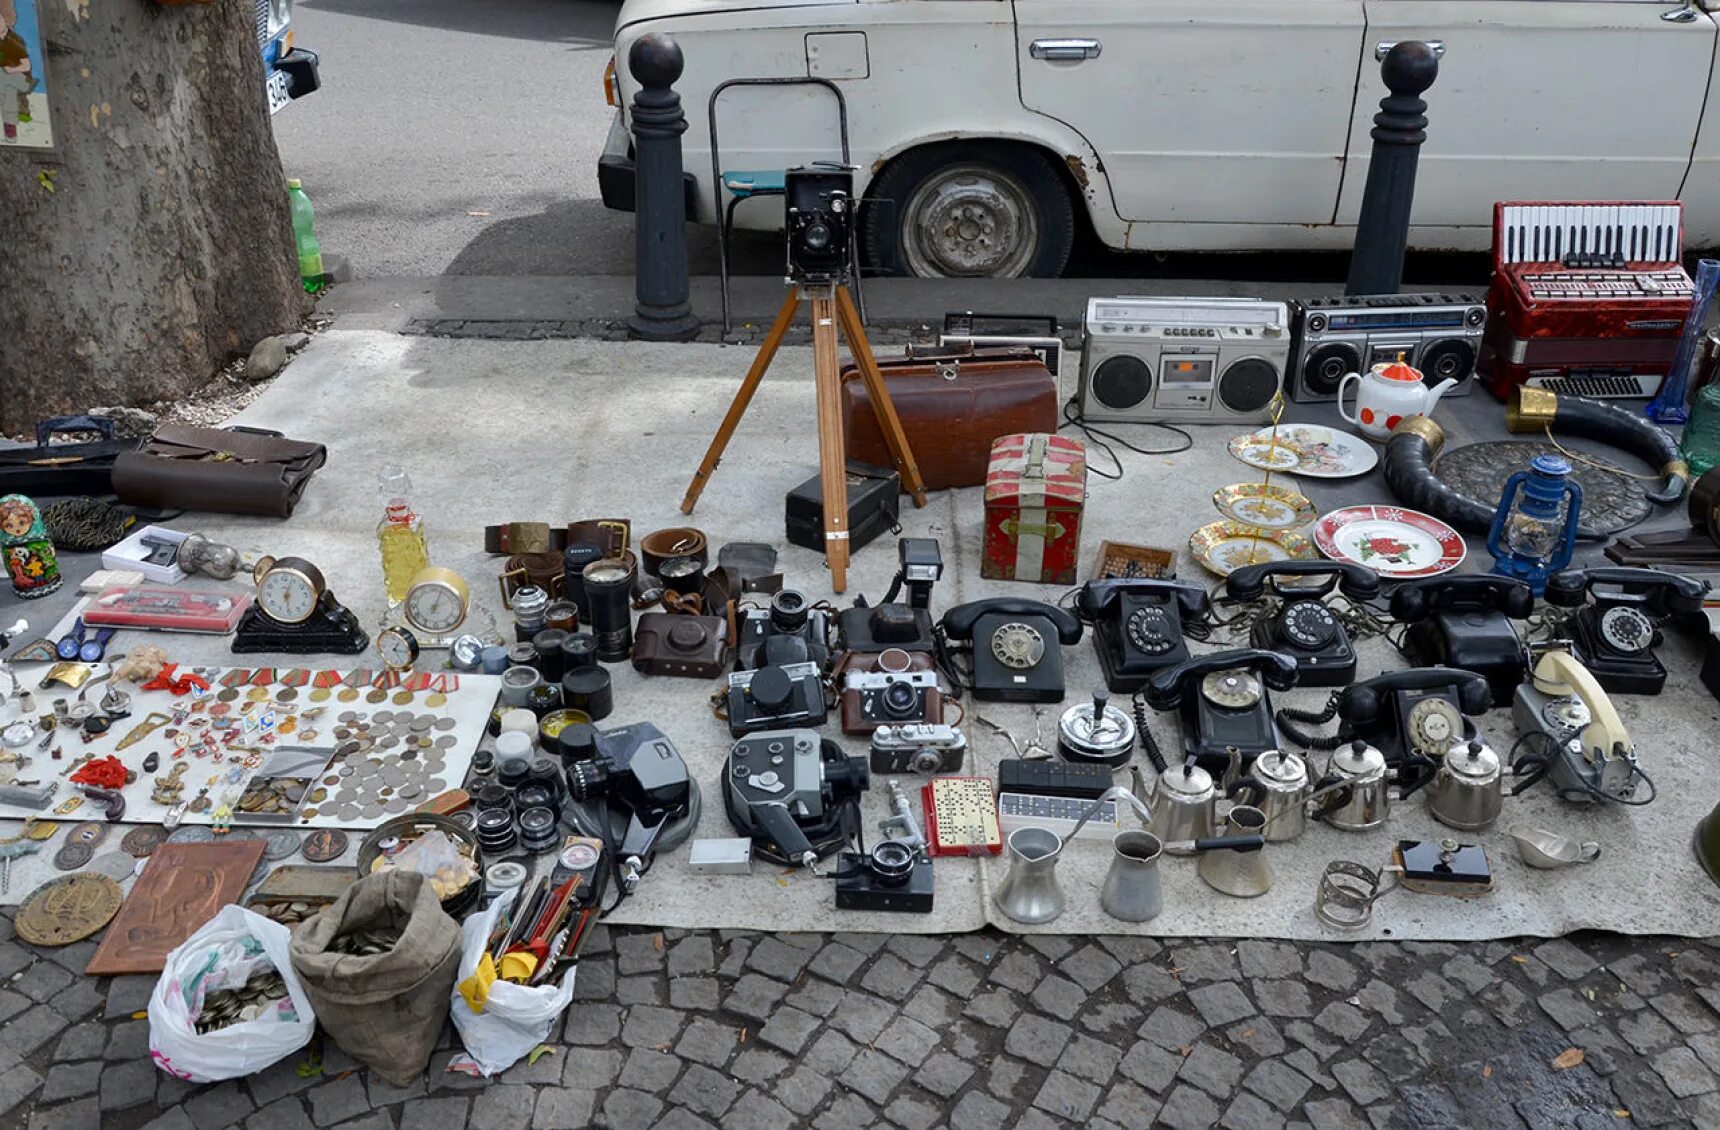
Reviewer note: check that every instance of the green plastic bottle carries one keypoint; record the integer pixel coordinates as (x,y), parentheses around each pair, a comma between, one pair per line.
(305,236)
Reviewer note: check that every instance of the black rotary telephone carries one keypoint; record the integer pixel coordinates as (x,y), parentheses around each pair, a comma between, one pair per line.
(1303,627)
(1223,704)
(1417,713)
(1618,626)
(1016,647)
(1465,622)
(1138,626)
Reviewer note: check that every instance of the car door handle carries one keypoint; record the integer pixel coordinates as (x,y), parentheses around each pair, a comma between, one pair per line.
(1687,14)
(1385,45)
(1064,50)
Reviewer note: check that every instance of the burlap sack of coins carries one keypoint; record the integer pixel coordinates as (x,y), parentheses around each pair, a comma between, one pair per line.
(387,1009)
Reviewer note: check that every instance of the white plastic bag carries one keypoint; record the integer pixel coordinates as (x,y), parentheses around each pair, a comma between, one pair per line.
(516,1018)
(224,953)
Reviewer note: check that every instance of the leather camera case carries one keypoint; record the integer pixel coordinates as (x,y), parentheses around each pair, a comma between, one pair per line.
(952,404)
(854,720)
(691,647)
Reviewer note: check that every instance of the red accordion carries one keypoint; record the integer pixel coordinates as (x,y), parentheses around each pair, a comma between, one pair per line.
(1588,298)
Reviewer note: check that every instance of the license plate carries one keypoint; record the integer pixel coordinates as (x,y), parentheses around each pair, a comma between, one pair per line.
(277,88)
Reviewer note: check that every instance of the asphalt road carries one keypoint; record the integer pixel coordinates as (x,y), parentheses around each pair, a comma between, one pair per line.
(461,137)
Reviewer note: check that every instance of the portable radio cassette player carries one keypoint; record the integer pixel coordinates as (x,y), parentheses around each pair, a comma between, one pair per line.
(1183,360)
(1439,334)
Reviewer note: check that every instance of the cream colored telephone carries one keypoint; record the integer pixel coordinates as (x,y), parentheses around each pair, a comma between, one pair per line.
(1590,754)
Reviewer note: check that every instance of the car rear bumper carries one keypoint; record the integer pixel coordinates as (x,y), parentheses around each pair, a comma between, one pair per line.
(618,176)
(301,68)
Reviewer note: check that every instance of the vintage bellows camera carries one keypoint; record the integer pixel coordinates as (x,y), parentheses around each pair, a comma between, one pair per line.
(795,794)
(918,747)
(882,698)
(892,876)
(773,697)
(790,631)
(819,221)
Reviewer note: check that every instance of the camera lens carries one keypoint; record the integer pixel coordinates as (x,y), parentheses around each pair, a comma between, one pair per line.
(892,862)
(925,761)
(816,236)
(846,778)
(607,585)
(788,611)
(587,780)
(900,700)
(771,689)
(573,563)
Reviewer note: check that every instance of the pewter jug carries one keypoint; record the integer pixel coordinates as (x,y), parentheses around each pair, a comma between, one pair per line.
(1184,805)
(1234,863)
(1029,892)
(1279,786)
(1469,790)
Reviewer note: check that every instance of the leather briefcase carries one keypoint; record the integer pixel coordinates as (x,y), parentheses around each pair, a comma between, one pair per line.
(220,470)
(952,404)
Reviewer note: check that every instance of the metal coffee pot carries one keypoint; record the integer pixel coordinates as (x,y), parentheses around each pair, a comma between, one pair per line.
(1279,786)
(1469,789)
(1357,786)
(1185,807)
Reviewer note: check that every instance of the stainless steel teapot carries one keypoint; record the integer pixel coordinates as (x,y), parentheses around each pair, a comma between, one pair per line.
(1357,786)
(1278,785)
(1184,804)
(1468,791)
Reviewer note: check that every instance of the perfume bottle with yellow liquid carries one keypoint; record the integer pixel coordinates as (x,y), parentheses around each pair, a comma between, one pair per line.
(400,534)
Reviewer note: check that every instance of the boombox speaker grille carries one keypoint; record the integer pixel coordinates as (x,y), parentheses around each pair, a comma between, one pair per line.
(1447,359)
(1122,382)
(1326,365)
(1248,385)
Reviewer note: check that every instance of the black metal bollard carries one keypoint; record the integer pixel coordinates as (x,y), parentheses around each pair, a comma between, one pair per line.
(1382,230)
(661,311)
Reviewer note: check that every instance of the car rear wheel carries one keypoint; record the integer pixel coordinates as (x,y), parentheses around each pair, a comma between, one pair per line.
(973,210)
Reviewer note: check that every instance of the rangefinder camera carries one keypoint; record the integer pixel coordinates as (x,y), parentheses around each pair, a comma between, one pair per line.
(918,747)
(880,698)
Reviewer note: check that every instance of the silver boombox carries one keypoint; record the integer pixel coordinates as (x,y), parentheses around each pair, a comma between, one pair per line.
(1182,360)
(1440,334)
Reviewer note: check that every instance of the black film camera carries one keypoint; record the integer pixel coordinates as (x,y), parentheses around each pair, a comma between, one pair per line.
(789,631)
(773,697)
(639,770)
(795,794)
(892,876)
(889,624)
(819,221)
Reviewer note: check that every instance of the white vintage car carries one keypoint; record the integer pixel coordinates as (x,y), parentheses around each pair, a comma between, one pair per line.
(985,131)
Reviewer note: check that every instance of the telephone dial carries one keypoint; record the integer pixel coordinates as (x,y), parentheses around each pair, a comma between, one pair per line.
(1223,703)
(1417,713)
(1465,622)
(1016,647)
(1138,626)
(1617,627)
(1303,627)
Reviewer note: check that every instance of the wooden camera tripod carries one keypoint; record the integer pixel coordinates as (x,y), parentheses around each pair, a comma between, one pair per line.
(831,306)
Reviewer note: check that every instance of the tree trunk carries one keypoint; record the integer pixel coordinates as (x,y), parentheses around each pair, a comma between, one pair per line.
(154,243)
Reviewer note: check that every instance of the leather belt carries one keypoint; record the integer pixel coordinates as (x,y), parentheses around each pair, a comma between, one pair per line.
(524,537)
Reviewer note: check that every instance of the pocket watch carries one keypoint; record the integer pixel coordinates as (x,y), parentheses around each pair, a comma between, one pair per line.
(398,648)
(437,601)
(289,588)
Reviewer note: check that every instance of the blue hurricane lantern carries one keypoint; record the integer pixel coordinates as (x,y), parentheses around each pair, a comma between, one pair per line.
(1535,527)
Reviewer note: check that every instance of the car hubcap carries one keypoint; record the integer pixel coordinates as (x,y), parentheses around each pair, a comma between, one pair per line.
(970,221)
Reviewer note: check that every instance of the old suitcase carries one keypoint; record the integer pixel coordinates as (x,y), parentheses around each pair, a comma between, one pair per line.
(1034,493)
(952,403)
(55,470)
(873,505)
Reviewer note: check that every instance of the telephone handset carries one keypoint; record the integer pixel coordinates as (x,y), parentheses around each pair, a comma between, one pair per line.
(1017,643)
(1138,626)
(1618,626)
(1223,703)
(1303,627)
(1465,622)
(1421,712)
(1587,753)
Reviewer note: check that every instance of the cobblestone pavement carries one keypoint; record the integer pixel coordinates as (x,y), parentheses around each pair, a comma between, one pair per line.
(678,1030)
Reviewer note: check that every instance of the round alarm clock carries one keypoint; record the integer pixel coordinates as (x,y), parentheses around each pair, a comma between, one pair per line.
(288,588)
(437,601)
(398,648)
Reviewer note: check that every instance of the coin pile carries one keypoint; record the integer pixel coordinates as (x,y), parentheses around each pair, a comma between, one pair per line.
(287,913)
(366,943)
(226,1007)
(394,760)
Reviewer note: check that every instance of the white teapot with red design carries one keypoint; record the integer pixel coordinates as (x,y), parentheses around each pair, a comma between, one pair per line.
(1387,393)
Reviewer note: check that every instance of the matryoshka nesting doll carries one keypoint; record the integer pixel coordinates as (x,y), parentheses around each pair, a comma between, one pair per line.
(30,559)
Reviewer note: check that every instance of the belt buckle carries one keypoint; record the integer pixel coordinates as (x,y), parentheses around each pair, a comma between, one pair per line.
(528,537)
